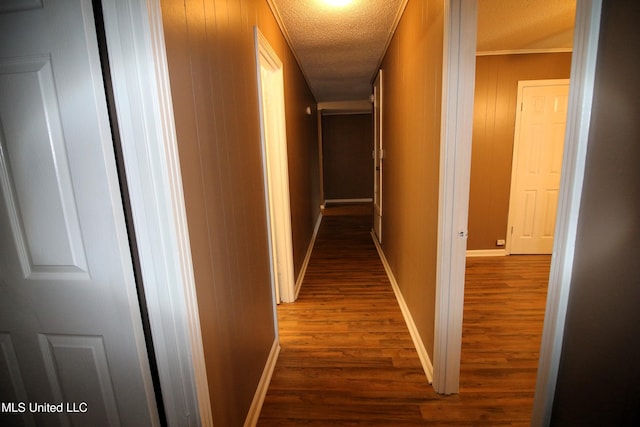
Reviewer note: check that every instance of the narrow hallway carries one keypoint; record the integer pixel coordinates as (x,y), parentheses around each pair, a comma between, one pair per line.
(347,357)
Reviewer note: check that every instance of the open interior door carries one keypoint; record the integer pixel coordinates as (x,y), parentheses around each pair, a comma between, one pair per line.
(71,337)
(378,155)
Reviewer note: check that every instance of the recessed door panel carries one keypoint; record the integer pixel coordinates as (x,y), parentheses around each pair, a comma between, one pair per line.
(550,208)
(12,388)
(75,365)
(35,174)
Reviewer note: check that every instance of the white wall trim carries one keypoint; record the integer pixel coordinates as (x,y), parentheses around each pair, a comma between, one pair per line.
(583,67)
(307,257)
(473,253)
(263,386)
(137,56)
(363,106)
(330,201)
(522,51)
(273,138)
(427,366)
(458,81)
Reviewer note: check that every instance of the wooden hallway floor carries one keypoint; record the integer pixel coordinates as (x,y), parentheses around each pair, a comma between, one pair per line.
(347,357)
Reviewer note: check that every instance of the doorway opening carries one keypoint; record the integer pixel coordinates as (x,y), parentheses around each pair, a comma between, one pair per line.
(581,94)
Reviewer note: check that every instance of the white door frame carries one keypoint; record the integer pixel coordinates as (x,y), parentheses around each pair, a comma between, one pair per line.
(273,134)
(511,218)
(583,66)
(450,281)
(140,79)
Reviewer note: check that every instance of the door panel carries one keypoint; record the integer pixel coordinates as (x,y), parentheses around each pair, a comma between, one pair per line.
(70,325)
(538,148)
(12,389)
(49,246)
(76,363)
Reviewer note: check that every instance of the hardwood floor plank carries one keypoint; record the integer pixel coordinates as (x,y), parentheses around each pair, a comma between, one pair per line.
(347,357)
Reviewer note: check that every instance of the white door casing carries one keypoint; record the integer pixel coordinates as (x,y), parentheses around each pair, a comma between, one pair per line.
(378,155)
(537,161)
(458,84)
(134,37)
(583,66)
(276,172)
(70,324)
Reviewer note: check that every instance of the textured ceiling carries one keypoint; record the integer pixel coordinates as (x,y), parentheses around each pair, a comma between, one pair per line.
(340,48)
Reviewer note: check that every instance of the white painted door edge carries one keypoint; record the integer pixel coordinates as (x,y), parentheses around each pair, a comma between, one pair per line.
(455,165)
(583,66)
(137,57)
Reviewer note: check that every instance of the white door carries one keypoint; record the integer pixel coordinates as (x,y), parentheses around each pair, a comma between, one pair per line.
(377,156)
(537,161)
(70,326)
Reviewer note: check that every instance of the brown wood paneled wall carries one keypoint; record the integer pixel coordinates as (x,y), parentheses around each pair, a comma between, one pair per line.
(412,90)
(303,156)
(493,133)
(347,143)
(211,58)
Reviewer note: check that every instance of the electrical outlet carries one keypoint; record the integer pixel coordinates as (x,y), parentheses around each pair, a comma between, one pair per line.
(500,242)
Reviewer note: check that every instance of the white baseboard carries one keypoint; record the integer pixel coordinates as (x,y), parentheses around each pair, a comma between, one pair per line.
(329,201)
(263,386)
(486,252)
(427,366)
(305,263)
(523,51)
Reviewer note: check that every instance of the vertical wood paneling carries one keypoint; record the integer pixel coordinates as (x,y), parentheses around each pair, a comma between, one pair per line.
(302,149)
(347,145)
(493,133)
(211,58)
(411,134)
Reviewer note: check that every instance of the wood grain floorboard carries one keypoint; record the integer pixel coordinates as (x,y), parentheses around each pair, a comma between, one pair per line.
(347,357)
